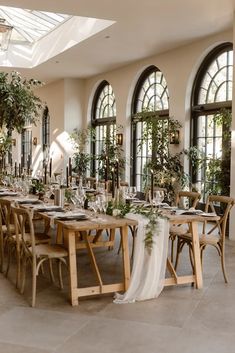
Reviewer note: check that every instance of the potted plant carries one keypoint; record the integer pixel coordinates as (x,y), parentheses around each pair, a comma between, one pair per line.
(166,167)
(81,159)
(18,102)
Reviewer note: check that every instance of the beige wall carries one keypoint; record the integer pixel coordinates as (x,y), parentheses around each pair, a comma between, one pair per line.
(70,100)
(179,67)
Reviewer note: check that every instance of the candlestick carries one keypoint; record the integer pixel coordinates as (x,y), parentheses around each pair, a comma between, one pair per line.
(50,167)
(67,176)
(70,167)
(117,171)
(45,174)
(28,164)
(113,183)
(151,184)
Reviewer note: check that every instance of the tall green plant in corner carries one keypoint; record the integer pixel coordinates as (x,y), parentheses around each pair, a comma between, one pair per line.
(81,159)
(166,167)
(18,102)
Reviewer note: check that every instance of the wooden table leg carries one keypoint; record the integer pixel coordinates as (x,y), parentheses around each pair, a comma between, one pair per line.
(71,235)
(196,255)
(125,256)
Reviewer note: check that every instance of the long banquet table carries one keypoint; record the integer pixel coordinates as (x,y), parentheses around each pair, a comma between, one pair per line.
(71,231)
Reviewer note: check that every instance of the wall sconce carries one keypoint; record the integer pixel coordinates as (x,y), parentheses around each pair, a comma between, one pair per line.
(119,139)
(35,141)
(13,141)
(175,137)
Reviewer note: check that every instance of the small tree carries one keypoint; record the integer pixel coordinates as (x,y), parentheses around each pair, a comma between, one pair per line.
(18,103)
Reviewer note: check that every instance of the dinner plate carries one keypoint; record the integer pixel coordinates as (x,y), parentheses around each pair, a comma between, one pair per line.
(49,208)
(29,201)
(72,217)
(208,214)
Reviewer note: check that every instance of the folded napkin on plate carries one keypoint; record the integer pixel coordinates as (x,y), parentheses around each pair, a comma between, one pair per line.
(8,193)
(28,201)
(45,208)
(69,216)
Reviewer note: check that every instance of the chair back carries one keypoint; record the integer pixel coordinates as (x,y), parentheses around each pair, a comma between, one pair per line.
(24,228)
(224,204)
(188,198)
(5,214)
(148,195)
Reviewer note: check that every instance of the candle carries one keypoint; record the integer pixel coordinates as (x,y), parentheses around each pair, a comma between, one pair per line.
(45,174)
(67,176)
(50,167)
(117,171)
(28,164)
(15,169)
(113,183)
(70,167)
(106,169)
(151,184)
(19,170)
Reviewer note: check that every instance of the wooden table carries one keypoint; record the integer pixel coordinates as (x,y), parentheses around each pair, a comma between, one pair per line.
(196,277)
(72,230)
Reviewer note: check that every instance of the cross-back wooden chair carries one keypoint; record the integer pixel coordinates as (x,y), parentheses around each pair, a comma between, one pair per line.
(7,229)
(213,233)
(13,245)
(184,199)
(35,254)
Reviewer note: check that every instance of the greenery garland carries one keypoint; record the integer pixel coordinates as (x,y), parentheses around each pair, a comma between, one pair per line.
(151,213)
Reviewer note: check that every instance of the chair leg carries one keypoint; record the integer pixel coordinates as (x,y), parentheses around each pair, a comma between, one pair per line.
(172,248)
(51,271)
(23,274)
(1,251)
(178,251)
(223,267)
(34,282)
(60,274)
(10,248)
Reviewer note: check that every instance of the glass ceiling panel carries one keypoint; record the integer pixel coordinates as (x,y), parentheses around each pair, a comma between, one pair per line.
(30,25)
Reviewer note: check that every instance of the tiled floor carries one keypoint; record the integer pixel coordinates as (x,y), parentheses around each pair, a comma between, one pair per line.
(181,320)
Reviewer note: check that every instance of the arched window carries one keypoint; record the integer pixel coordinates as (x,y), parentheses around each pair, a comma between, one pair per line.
(103,121)
(46,134)
(151,95)
(26,146)
(211,115)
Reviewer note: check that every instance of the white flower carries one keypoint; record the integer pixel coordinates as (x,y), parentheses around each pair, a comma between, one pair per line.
(116,212)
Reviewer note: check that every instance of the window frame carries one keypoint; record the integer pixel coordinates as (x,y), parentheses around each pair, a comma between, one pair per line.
(161,114)
(205,109)
(109,122)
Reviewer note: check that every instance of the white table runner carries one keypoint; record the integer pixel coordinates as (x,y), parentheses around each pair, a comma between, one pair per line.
(148,272)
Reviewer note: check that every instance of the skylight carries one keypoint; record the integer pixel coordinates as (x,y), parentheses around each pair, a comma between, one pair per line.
(30,25)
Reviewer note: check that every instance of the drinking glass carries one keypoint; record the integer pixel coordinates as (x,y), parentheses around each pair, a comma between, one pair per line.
(132,192)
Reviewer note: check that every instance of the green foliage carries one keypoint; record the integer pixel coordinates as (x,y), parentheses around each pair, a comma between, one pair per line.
(19,104)
(167,168)
(5,144)
(152,214)
(38,186)
(81,159)
(110,154)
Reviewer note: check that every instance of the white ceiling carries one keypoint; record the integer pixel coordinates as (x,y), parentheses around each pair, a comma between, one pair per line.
(142,28)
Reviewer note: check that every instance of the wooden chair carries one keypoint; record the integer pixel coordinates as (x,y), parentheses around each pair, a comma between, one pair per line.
(34,253)
(7,229)
(184,199)
(213,233)
(156,188)
(14,245)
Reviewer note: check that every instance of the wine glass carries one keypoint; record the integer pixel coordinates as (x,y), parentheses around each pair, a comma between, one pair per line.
(161,195)
(132,191)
